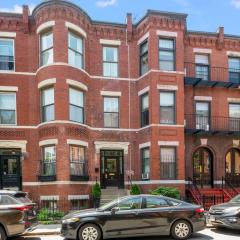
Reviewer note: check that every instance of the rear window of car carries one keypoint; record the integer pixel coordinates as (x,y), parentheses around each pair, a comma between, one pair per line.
(7,200)
(22,197)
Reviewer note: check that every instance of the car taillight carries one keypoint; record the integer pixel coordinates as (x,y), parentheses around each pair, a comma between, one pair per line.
(23,208)
(199,210)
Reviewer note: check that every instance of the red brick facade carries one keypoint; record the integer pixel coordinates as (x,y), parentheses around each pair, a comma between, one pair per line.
(28,75)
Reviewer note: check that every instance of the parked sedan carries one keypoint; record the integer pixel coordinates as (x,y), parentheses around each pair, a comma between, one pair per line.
(17,213)
(135,216)
(226,214)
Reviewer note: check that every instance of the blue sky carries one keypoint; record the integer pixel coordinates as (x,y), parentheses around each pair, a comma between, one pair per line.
(204,15)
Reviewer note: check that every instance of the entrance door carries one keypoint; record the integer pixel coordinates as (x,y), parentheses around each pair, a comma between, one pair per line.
(111,168)
(10,176)
(202,168)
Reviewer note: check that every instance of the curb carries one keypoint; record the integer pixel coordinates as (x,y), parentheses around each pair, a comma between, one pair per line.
(34,233)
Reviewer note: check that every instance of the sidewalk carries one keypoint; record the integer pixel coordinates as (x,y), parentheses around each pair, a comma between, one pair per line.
(52,229)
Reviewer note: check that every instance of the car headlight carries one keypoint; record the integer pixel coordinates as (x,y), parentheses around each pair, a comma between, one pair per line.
(71,220)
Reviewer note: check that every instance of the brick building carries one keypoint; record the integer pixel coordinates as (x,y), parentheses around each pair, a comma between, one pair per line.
(82,100)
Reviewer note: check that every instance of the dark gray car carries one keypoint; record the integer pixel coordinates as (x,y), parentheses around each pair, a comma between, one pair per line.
(17,213)
(226,214)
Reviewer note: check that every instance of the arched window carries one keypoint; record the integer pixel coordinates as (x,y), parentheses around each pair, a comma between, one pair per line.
(232,164)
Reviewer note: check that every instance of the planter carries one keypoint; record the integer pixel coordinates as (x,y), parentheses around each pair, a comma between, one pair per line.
(96,202)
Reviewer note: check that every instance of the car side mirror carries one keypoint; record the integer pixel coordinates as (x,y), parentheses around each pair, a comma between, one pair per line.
(114,210)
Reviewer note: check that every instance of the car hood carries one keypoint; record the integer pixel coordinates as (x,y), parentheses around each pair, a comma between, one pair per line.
(81,213)
(226,205)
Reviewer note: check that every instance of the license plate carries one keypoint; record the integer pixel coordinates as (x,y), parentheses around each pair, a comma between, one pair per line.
(212,218)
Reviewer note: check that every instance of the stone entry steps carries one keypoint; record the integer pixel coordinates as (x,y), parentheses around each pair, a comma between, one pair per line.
(112,193)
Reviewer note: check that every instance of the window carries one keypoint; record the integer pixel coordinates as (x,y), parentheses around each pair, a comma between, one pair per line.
(48,105)
(75,50)
(49,161)
(77,161)
(132,203)
(110,61)
(76,109)
(7,108)
(166,54)
(232,164)
(7,54)
(144,110)
(78,204)
(167,108)
(202,67)
(50,205)
(7,200)
(234,116)
(46,48)
(111,112)
(203,116)
(168,162)
(234,69)
(145,155)
(156,202)
(143,57)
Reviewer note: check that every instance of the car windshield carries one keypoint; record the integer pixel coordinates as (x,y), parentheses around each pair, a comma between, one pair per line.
(235,199)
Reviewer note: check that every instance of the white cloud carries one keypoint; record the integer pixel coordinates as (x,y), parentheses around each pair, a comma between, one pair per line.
(17,9)
(235,3)
(106,3)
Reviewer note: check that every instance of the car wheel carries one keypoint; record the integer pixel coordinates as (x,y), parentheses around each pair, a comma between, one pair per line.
(181,229)
(2,234)
(89,232)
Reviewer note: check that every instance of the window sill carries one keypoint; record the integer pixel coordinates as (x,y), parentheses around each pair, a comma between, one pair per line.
(51,178)
(79,178)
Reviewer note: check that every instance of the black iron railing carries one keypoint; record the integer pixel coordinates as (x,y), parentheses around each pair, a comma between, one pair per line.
(209,73)
(198,122)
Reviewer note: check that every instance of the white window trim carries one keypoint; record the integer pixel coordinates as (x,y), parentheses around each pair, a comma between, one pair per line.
(8,89)
(44,26)
(167,87)
(49,198)
(168,143)
(233,54)
(76,84)
(233,100)
(203,98)
(111,145)
(22,144)
(76,28)
(78,197)
(46,83)
(111,93)
(77,142)
(14,60)
(144,90)
(143,38)
(144,145)
(202,50)
(8,34)
(167,33)
(110,42)
(15,96)
(48,142)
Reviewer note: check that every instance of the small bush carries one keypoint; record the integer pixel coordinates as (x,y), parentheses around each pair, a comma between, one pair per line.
(135,190)
(48,215)
(167,191)
(96,190)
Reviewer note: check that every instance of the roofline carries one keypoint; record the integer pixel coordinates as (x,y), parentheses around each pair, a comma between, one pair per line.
(214,34)
(10,14)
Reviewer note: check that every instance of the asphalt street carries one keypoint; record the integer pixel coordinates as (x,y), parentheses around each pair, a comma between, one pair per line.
(206,234)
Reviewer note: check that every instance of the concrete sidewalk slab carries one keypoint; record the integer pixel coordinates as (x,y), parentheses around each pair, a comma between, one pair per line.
(51,229)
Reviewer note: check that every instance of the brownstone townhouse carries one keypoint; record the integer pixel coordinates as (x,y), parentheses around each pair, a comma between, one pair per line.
(150,103)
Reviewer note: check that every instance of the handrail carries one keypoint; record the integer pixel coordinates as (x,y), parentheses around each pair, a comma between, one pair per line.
(194,190)
(230,188)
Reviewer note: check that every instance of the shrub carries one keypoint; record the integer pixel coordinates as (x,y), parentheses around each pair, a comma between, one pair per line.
(96,190)
(48,215)
(135,190)
(167,191)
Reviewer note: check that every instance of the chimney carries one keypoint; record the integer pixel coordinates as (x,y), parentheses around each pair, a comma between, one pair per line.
(25,15)
(220,41)
(129,26)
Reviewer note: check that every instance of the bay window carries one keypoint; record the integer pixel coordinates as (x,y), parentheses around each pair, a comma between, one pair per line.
(8,108)
(145,156)
(47,104)
(76,110)
(167,54)
(46,48)
(144,110)
(48,161)
(168,162)
(143,57)
(167,107)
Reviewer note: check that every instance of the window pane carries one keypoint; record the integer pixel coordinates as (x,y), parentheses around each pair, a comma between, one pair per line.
(47,57)
(234,63)
(111,104)
(202,108)
(75,42)
(234,110)
(75,59)
(132,203)
(76,97)
(49,154)
(77,161)
(167,99)
(166,56)
(7,101)
(145,161)
(46,41)
(154,202)
(48,113)
(76,114)
(145,102)
(168,162)
(7,117)
(166,43)
(111,120)
(167,115)
(48,96)
(201,59)
(110,69)
(144,48)
(167,66)
(6,48)
(202,72)
(110,54)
